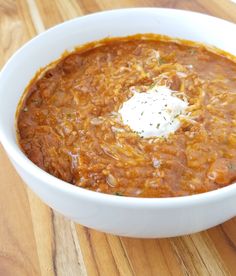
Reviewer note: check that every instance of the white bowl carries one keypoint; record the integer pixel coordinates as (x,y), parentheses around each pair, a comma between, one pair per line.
(134,217)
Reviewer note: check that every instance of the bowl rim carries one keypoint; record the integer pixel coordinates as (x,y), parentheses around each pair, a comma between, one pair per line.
(27,165)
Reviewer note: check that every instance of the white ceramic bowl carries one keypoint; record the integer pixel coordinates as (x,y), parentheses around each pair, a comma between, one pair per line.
(135,217)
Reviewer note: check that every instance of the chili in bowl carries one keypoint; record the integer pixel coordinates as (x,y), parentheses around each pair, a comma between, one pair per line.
(144,115)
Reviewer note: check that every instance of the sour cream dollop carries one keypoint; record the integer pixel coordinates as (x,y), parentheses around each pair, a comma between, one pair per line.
(153,113)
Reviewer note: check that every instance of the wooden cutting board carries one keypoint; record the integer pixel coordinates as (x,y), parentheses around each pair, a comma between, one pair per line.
(34,240)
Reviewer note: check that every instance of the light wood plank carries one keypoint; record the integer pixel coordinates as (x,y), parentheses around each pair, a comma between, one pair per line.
(41,217)
(18,252)
(36,17)
(13,30)
(103,254)
(224,239)
(49,12)
(224,9)
(66,258)
(152,257)
(69,9)
(198,255)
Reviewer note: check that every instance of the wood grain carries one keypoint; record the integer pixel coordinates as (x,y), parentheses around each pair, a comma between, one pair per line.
(18,255)
(34,240)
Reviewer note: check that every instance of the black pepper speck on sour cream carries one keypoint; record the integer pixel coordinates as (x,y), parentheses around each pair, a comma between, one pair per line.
(153,113)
